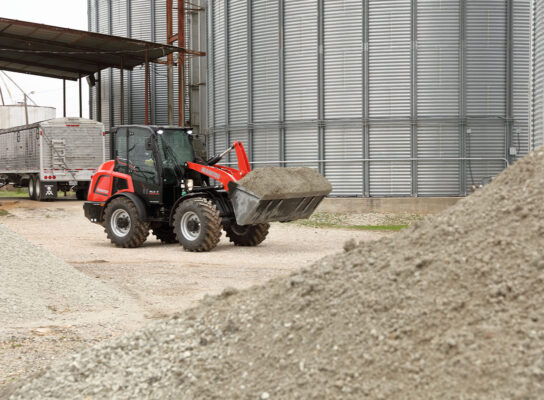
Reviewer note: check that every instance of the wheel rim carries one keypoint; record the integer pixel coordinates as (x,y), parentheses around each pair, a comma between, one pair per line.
(190,225)
(120,223)
(31,187)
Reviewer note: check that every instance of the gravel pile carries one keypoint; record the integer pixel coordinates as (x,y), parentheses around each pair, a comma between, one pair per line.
(451,308)
(272,182)
(37,287)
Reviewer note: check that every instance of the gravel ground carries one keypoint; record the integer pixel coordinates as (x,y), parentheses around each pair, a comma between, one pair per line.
(451,308)
(153,282)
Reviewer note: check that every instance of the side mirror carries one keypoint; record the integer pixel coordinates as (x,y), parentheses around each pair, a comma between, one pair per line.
(148,144)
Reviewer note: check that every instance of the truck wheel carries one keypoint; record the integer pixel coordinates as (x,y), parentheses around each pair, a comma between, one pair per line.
(38,195)
(81,194)
(165,233)
(197,224)
(31,190)
(123,224)
(246,235)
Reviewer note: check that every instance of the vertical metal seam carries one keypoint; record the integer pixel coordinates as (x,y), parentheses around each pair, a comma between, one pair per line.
(250,77)
(281,78)
(152,67)
(531,122)
(129,74)
(462,137)
(365,94)
(211,33)
(320,84)
(509,79)
(110,70)
(413,100)
(227,71)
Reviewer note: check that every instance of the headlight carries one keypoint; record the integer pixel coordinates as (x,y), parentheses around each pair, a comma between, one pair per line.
(190,132)
(189,185)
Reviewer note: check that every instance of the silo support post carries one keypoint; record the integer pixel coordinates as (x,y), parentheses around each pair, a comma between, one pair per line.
(122,76)
(80,99)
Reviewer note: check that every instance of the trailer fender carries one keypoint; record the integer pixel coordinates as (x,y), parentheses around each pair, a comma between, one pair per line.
(140,205)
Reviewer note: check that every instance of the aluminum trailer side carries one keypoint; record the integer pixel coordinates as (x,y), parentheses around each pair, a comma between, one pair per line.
(55,155)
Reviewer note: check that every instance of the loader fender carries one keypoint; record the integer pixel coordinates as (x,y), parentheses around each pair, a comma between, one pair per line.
(140,206)
(220,199)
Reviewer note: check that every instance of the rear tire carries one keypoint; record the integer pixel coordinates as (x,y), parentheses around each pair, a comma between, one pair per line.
(247,235)
(165,233)
(123,224)
(31,190)
(38,195)
(197,224)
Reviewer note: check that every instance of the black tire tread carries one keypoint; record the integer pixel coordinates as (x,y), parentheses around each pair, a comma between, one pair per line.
(141,228)
(165,234)
(213,222)
(255,235)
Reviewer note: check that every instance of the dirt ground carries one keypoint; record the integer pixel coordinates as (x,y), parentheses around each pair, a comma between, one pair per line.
(159,279)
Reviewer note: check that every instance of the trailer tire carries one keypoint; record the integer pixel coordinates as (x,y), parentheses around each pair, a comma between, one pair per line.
(197,224)
(38,195)
(31,188)
(246,235)
(123,224)
(165,233)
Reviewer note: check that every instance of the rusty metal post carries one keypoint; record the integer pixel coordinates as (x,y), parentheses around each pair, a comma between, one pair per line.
(64,98)
(122,71)
(181,63)
(170,60)
(146,87)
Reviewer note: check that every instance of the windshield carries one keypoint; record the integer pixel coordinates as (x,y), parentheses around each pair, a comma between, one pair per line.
(179,143)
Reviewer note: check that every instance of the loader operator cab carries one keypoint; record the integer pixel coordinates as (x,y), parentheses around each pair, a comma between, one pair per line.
(154,157)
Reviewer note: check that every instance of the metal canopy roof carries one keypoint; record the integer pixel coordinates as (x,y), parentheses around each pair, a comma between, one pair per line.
(55,52)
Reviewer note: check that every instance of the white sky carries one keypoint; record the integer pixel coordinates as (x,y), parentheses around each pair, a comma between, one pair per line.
(48,91)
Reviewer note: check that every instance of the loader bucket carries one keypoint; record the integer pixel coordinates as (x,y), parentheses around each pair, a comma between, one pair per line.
(277,194)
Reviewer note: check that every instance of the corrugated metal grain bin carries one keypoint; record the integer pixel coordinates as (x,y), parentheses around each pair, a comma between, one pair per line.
(385,97)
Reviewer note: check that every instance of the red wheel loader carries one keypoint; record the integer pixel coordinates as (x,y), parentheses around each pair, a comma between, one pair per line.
(156,182)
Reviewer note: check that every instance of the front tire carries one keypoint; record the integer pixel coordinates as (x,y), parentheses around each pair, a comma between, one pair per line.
(247,235)
(123,224)
(38,195)
(197,224)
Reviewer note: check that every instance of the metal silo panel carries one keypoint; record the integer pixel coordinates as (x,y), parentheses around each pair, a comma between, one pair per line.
(390,84)
(344,143)
(438,96)
(238,70)
(140,28)
(219,63)
(521,66)
(485,139)
(300,54)
(485,59)
(485,88)
(119,28)
(343,53)
(160,71)
(343,90)
(300,80)
(538,76)
(210,73)
(266,146)
(104,27)
(265,61)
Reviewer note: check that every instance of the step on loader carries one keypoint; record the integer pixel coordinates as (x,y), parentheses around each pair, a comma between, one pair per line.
(156,181)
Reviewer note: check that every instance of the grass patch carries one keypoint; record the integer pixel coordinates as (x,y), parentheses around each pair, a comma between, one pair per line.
(361,222)
(17,192)
(4,213)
